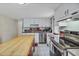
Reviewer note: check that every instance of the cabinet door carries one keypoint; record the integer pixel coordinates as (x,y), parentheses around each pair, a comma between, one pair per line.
(59,13)
(36,37)
(62,23)
(48,38)
(70,54)
(71,7)
(62,10)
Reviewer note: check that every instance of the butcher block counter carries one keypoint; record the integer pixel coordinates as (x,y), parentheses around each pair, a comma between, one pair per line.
(19,46)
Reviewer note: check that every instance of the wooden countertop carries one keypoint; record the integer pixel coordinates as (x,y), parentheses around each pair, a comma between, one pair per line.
(19,46)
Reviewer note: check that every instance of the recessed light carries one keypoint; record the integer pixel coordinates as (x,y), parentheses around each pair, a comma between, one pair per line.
(68,19)
(22,3)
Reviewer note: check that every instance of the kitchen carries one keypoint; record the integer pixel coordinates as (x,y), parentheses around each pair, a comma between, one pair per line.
(67,33)
(56,30)
(52,28)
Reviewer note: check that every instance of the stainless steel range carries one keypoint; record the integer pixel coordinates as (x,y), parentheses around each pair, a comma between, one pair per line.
(69,41)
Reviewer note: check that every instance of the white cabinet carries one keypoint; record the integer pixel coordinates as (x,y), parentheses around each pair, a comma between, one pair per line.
(56,38)
(28,33)
(56,30)
(72,7)
(66,9)
(36,37)
(50,45)
(48,37)
(36,22)
(69,54)
(73,52)
(62,23)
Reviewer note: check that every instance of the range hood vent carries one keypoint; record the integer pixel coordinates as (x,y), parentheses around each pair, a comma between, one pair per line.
(74,13)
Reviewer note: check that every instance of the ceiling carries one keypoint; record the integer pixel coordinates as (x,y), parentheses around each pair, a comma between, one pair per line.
(28,10)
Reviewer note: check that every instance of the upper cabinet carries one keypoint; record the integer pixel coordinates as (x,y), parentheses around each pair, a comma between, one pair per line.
(62,23)
(65,10)
(36,23)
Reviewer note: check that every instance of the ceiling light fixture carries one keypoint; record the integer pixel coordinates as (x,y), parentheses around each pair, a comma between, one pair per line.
(24,3)
(68,19)
(21,3)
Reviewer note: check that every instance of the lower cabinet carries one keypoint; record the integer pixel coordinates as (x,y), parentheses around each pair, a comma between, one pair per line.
(70,54)
(36,38)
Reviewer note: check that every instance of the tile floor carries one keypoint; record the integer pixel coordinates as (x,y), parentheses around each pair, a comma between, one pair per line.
(41,50)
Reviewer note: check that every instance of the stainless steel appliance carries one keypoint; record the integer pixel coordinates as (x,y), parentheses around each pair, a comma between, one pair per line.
(42,37)
(69,41)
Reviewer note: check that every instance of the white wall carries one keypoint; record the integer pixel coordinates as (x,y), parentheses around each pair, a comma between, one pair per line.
(19,27)
(8,28)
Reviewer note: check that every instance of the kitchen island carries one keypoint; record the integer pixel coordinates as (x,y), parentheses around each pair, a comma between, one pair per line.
(19,46)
